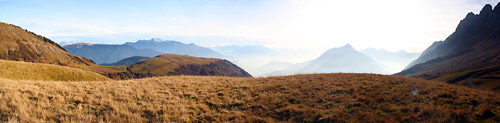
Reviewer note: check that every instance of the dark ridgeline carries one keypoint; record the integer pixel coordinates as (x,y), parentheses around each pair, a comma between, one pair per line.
(470,56)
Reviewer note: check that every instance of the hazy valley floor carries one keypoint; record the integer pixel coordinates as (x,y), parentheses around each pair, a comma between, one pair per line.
(299,98)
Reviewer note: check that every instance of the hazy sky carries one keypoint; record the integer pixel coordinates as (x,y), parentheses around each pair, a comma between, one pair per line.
(316,25)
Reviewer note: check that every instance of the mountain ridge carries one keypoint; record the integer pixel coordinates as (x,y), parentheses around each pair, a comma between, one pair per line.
(108,53)
(175,47)
(474,45)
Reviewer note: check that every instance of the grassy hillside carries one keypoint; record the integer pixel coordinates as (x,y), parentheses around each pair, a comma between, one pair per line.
(16,70)
(300,98)
(172,65)
(486,77)
(163,64)
(17,44)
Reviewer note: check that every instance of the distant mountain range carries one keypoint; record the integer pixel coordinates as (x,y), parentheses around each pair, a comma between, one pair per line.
(470,56)
(105,54)
(175,47)
(392,62)
(250,57)
(342,59)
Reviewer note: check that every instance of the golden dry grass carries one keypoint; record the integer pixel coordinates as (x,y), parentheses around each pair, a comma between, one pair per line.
(299,98)
(21,45)
(17,70)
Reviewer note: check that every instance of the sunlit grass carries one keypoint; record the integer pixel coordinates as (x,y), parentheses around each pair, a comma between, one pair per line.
(299,98)
(17,70)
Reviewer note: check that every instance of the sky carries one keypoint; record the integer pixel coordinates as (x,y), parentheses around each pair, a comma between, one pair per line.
(311,25)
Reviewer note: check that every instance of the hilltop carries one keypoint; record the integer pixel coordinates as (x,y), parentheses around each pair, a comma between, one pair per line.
(173,65)
(299,98)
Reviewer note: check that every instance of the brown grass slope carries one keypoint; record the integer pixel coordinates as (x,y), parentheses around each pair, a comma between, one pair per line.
(17,70)
(21,45)
(299,98)
(174,64)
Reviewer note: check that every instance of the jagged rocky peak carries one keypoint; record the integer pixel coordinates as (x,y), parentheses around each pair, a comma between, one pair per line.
(487,9)
(347,46)
(497,9)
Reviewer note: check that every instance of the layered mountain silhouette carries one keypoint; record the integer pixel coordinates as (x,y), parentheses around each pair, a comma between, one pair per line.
(128,61)
(343,59)
(392,61)
(175,47)
(106,54)
(250,57)
(469,56)
(18,44)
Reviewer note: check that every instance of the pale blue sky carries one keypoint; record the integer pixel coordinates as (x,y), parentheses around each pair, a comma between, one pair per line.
(314,25)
